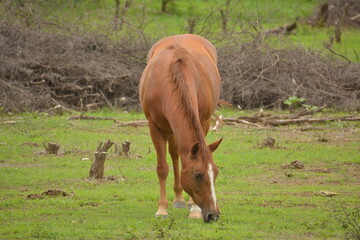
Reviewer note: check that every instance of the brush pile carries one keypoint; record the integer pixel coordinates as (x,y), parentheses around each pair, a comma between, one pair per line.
(39,70)
(256,75)
(42,67)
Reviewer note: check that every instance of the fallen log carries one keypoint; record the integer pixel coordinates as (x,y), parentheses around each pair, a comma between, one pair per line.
(138,123)
(89,118)
(279,122)
(286,120)
(262,122)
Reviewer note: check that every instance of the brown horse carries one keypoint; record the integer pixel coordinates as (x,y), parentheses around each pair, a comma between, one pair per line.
(179,90)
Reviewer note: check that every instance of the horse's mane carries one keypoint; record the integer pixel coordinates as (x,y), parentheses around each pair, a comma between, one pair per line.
(184,60)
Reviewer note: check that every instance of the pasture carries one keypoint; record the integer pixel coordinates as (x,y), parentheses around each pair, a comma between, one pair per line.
(258,198)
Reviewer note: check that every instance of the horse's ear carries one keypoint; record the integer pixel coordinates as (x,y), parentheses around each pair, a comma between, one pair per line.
(195,149)
(215,145)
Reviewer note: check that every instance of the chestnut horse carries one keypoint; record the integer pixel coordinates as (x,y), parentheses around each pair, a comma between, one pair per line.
(179,90)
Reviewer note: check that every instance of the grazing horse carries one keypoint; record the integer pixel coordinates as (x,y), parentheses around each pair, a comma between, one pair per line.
(179,90)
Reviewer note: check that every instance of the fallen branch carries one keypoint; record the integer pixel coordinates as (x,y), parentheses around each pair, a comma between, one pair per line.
(307,112)
(89,118)
(282,30)
(279,122)
(271,121)
(138,123)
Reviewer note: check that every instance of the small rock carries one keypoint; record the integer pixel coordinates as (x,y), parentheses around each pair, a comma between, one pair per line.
(327,194)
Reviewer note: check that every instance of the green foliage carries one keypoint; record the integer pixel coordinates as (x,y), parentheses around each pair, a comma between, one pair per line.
(295,103)
(257,199)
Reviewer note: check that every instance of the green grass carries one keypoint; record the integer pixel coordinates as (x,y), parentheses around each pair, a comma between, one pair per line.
(257,197)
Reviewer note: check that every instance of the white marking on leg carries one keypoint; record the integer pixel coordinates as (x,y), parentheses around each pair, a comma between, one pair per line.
(212,187)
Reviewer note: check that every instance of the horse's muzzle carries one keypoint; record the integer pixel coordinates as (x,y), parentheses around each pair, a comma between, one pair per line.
(211,217)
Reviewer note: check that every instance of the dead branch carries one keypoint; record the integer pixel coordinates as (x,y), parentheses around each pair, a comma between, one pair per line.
(139,123)
(286,120)
(282,30)
(307,112)
(309,120)
(82,117)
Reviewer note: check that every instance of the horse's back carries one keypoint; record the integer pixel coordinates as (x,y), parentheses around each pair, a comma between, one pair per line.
(198,45)
(155,85)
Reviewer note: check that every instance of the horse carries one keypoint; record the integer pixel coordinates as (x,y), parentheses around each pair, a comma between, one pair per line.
(179,90)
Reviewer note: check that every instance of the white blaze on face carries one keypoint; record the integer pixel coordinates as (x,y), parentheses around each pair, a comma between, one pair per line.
(212,186)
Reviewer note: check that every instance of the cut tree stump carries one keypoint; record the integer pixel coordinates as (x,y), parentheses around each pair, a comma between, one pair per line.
(52,148)
(97,167)
(126,147)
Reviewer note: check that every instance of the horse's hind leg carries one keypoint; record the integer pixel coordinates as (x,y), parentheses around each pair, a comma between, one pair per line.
(162,168)
(179,199)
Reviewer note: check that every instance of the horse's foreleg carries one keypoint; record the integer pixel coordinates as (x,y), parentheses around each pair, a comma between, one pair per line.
(179,199)
(162,168)
(195,210)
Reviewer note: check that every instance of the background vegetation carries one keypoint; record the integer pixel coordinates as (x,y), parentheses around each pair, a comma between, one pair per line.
(86,55)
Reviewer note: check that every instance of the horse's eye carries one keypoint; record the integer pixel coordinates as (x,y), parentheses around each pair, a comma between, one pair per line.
(198,176)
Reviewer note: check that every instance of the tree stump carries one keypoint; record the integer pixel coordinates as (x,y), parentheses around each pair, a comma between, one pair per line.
(52,148)
(126,147)
(97,167)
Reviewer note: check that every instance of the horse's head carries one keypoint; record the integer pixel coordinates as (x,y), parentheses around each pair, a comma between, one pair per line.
(198,179)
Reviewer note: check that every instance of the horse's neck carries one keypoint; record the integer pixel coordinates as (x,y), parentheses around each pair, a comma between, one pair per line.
(186,134)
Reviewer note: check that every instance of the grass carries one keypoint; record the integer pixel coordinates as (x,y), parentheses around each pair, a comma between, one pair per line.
(258,199)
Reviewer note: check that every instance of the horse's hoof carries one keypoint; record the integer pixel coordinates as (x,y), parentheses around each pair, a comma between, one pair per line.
(161,213)
(179,205)
(161,216)
(195,215)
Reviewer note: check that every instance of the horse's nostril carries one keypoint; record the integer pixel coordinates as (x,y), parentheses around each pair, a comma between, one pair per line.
(211,217)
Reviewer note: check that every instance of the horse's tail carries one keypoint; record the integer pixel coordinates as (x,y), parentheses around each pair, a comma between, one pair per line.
(184,73)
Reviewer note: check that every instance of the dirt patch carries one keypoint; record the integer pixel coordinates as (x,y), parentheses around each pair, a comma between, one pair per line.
(49,193)
(268,142)
(296,164)
(90,204)
(311,174)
